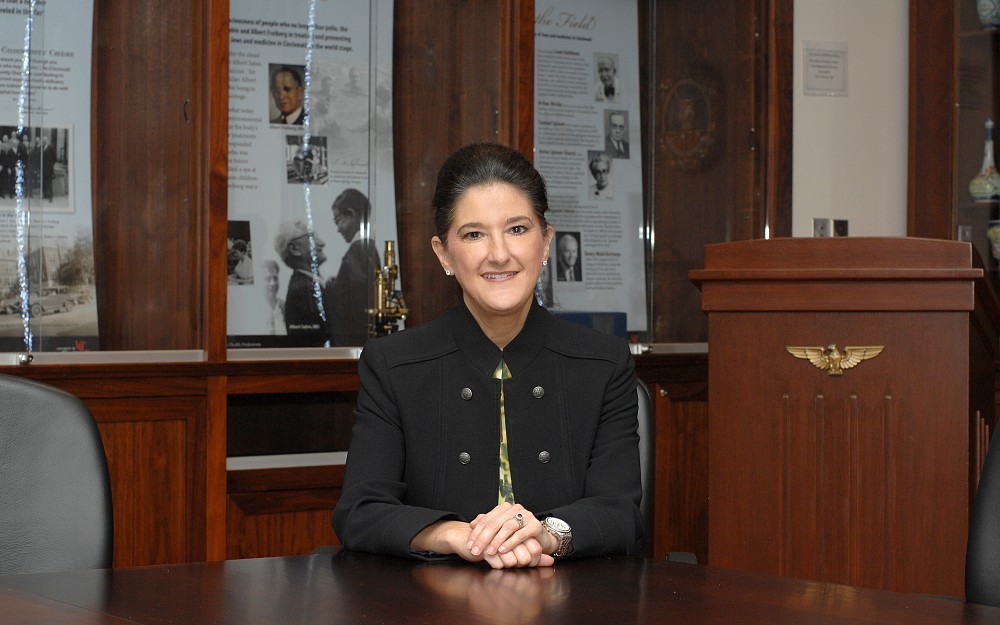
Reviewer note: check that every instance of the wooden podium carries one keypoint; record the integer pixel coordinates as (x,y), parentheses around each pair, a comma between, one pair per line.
(865,475)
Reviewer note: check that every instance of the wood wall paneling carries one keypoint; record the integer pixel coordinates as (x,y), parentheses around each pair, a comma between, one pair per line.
(282,511)
(775,60)
(148,215)
(155,453)
(680,514)
(215,455)
(932,141)
(733,50)
(452,85)
(292,524)
(521,48)
(211,177)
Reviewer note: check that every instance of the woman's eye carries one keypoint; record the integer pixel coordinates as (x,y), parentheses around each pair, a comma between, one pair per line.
(472,236)
(519,229)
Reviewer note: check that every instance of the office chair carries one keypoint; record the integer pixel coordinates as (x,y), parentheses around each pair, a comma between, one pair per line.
(982,556)
(647,457)
(647,469)
(55,491)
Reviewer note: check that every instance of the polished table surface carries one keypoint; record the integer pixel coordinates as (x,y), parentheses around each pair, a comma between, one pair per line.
(342,587)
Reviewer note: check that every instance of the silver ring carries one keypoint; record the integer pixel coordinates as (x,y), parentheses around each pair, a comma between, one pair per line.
(520,520)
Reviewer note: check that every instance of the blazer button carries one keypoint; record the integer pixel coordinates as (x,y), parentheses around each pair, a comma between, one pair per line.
(466,393)
(464,457)
(544,457)
(538,392)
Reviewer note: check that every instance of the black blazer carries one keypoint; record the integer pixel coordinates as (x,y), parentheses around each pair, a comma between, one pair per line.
(425,444)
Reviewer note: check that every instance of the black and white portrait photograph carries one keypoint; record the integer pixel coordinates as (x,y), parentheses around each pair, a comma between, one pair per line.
(287,94)
(239,254)
(306,163)
(41,155)
(568,265)
(616,134)
(606,87)
(599,169)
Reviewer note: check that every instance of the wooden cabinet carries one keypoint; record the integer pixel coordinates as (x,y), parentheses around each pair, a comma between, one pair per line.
(275,512)
(155,455)
(286,510)
(862,475)
(680,509)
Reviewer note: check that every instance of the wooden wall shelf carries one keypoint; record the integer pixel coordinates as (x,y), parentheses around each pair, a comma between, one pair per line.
(164,429)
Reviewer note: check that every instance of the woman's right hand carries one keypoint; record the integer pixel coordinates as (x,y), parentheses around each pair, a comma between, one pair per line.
(528,553)
(453,537)
(504,543)
(444,537)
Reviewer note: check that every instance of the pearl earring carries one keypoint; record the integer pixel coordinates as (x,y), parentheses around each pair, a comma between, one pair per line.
(447,272)
(545,262)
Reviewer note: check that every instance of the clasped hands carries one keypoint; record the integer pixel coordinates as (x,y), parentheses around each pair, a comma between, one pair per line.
(496,537)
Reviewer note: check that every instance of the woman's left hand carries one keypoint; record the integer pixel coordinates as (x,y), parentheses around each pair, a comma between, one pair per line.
(510,536)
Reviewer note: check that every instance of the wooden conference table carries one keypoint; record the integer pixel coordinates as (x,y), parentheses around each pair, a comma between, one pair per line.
(357,588)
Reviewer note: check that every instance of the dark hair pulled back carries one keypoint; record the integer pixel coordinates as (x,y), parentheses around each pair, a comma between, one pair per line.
(481,164)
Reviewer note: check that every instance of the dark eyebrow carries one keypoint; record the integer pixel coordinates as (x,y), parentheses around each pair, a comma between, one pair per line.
(510,220)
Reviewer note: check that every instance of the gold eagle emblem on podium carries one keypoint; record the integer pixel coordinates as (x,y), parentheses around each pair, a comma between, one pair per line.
(831,360)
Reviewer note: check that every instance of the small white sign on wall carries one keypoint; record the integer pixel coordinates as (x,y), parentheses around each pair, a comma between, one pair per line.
(825,68)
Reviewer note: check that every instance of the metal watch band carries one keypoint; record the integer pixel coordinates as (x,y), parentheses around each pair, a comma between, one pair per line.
(565,538)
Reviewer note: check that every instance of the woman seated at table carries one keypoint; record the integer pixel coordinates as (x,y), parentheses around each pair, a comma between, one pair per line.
(496,433)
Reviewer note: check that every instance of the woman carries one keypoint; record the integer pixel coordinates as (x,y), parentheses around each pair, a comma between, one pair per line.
(496,433)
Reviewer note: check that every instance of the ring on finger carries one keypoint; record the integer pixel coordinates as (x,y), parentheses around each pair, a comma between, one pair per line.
(520,520)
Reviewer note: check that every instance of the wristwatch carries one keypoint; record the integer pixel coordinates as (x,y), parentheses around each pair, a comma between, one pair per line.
(561,531)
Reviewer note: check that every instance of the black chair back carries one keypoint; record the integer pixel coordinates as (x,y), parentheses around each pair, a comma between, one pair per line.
(55,492)
(982,556)
(647,457)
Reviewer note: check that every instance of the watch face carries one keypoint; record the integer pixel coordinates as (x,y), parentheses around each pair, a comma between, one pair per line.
(557,524)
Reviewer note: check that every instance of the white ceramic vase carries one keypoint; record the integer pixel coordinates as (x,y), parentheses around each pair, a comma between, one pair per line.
(986,185)
(989,13)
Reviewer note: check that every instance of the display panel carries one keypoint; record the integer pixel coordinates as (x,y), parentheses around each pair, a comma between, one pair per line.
(48,284)
(311,194)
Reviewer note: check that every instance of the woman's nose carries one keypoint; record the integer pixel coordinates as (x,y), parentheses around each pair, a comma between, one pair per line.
(499,252)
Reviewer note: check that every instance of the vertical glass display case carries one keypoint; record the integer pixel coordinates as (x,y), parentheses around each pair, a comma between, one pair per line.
(977,47)
(954,92)
(47,274)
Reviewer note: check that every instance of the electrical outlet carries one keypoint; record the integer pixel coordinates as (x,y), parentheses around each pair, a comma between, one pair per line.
(965,233)
(840,227)
(822,227)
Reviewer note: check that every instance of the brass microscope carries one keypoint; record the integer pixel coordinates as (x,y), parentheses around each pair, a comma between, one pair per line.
(390,308)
